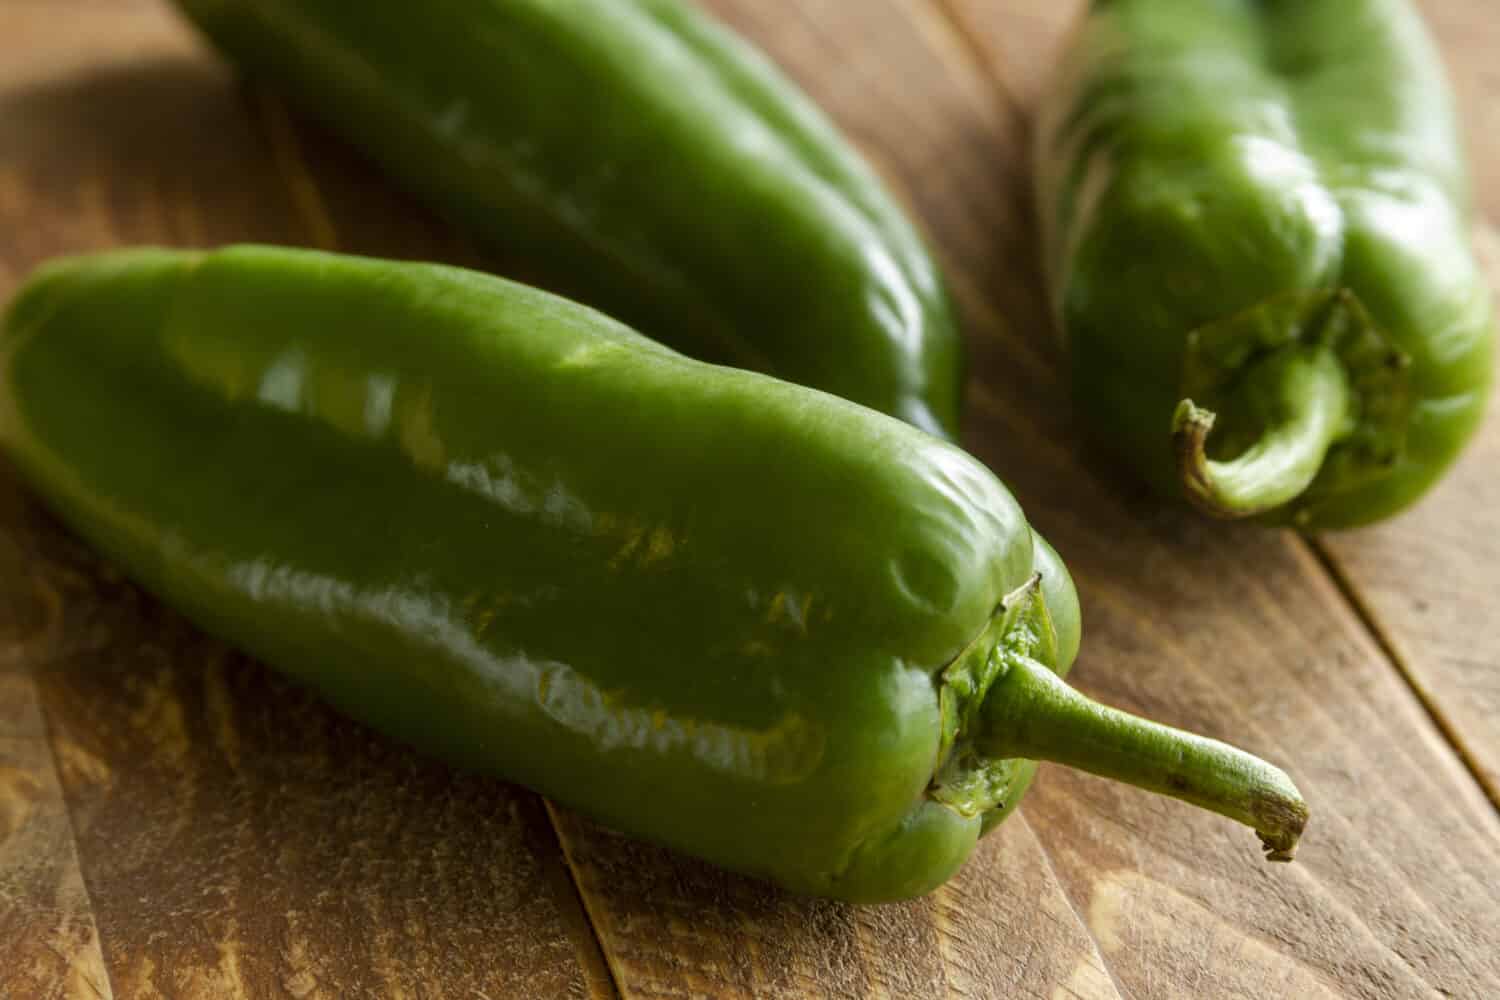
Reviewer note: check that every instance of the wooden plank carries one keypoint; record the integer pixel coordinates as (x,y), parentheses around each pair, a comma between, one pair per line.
(673,927)
(1399,860)
(1237,632)
(47,928)
(236,837)
(47,931)
(266,845)
(1015,43)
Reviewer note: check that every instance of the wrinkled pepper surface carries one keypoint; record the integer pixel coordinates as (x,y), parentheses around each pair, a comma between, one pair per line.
(747,619)
(637,156)
(1257,230)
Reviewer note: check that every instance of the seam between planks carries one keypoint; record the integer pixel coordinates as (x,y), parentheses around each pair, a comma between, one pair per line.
(78,858)
(965,39)
(275,123)
(616,975)
(291,165)
(1370,620)
(598,969)
(1120,990)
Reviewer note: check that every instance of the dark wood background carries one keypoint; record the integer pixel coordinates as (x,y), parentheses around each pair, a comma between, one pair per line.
(177,822)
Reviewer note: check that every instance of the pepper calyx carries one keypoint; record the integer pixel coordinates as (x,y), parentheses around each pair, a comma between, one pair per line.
(1283,405)
(966,779)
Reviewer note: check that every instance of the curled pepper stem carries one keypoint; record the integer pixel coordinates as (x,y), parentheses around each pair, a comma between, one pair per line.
(1032,713)
(1300,400)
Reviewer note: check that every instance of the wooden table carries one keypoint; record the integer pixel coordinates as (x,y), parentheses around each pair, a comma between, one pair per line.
(175,821)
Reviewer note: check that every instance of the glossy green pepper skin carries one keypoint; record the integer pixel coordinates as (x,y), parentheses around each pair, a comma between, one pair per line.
(644,160)
(747,619)
(1257,209)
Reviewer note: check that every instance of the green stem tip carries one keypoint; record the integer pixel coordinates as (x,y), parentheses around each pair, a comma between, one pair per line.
(1032,713)
(1300,404)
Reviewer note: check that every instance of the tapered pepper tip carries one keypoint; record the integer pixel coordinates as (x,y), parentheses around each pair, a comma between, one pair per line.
(1192,420)
(1191,425)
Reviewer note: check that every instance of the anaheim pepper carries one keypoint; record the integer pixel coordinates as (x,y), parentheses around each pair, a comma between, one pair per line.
(637,156)
(750,620)
(1257,232)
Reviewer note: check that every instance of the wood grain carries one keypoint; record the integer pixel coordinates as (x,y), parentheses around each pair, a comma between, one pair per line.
(236,837)
(242,840)
(47,934)
(48,937)
(672,927)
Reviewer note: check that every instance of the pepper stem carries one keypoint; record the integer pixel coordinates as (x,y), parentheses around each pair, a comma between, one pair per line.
(1299,402)
(1032,713)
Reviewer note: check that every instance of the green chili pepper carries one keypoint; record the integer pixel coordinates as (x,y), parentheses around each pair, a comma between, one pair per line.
(645,160)
(747,619)
(1257,223)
